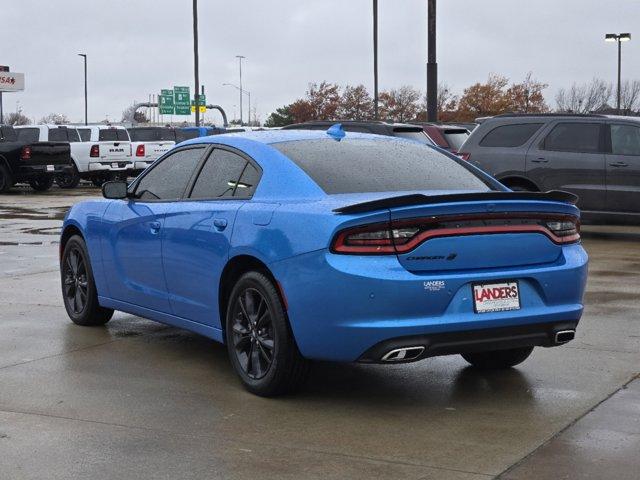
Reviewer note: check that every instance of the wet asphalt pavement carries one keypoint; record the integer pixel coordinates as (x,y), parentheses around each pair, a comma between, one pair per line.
(137,399)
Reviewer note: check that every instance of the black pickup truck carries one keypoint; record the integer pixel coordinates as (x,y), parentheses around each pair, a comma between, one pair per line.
(35,163)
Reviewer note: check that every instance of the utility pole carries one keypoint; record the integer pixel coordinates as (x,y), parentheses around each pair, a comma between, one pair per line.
(84,56)
(196,72)
(375,59)
(240,57)
(432,66)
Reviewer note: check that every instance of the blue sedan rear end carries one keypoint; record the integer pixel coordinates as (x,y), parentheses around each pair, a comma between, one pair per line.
(333,247)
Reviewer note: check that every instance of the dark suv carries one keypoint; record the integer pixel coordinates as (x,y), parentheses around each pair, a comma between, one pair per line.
(597,157)
(413,132)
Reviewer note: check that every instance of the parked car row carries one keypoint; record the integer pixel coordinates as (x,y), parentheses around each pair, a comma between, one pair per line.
(66,154)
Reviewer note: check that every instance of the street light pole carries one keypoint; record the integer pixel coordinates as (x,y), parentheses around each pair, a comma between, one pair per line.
(196,94)
(432,65)
(240,57)
(247,93)
(84,56)
(375,59)
(619,38)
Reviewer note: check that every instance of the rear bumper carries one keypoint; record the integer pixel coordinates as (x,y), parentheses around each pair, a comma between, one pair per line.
(30,171)
(114,166)
(341,306)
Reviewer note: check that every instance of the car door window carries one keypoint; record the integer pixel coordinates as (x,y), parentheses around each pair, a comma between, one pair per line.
(168,179)
(625,140)
(85,134)
(226,174)
(574,137)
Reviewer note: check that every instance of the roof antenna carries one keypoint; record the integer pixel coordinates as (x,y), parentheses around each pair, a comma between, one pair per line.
(336,132)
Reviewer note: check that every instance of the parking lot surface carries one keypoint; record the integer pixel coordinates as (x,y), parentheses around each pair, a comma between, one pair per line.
(137,399)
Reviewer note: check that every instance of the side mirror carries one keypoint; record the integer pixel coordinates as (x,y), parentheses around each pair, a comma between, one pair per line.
(115,189)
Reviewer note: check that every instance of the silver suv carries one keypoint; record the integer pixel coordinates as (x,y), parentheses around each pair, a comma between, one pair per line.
(597,157)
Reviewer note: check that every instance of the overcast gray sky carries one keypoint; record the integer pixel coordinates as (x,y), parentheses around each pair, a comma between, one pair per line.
(137,47)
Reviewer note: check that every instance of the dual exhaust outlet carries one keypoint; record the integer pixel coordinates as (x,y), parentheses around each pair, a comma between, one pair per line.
(413,352)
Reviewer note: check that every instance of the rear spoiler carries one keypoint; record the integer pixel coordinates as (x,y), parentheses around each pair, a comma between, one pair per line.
(420,199)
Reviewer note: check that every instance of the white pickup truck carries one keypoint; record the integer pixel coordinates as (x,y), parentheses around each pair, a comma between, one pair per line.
(150,143)
(99,152)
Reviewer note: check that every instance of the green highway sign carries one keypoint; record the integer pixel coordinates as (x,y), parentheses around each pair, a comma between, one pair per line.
(182,100)
(165,102)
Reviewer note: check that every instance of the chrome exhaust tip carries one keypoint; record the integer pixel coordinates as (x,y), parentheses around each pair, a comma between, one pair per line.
(403,354)
(564,336)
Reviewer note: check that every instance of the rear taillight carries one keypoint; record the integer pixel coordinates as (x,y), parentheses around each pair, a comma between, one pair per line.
(402,236)
(95,151)
(25,154)
(140,151)
(464,155)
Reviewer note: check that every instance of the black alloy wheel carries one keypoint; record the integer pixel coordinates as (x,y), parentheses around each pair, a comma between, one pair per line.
(41,183)
(252,333)
(68,179)
(75,285)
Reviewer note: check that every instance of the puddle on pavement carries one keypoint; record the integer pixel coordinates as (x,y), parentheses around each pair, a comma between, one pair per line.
(52,213)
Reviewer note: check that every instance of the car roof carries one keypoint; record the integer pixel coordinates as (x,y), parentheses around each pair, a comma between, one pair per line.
(354,123)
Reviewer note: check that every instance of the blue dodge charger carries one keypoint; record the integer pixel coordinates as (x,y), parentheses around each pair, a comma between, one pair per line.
(295,245)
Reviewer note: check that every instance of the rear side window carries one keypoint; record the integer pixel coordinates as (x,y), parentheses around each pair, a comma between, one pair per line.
(58,135)
(510,135)
(29,135)
(418,136)
(625,140)
(167,180)
(573,137)
(363,165)
(73,135)
(113,135)
(85,134)
(151,134)
(226,174)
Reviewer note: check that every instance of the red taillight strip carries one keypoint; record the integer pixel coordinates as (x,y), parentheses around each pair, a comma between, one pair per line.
(374,247)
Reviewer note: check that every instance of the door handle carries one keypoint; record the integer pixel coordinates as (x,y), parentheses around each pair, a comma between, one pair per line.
(154,227)
(619,164)
(220,223)
(540,160)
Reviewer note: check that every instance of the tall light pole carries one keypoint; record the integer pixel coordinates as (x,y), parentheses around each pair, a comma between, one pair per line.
(196,71)
(375,59)
(84,56)
(242,91)
(618,37)
(432,65)
(240,57)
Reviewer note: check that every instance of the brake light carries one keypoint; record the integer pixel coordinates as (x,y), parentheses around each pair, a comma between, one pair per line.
(140,151)
(464,155)
(402,236)
(95,151)
(25,154)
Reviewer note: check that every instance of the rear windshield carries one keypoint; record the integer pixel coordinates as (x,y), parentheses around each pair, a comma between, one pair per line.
(63,134)
(455,138)
(417,135)
(182,135)
(28,134)
(113,134)
(151,134)
(363,165)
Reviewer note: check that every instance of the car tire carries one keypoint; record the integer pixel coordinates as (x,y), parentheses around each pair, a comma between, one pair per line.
(259,339)
(42,183)
(78,286)
(6,179)
(498,359)
(69,179)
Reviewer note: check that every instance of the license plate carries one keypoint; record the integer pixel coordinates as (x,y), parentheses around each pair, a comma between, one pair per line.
(496,297)
(114,165)
(50,168)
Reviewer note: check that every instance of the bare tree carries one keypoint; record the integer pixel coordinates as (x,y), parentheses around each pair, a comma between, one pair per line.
(399,104)
(17,118)
(584,98)
(55,118)
(630,96)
